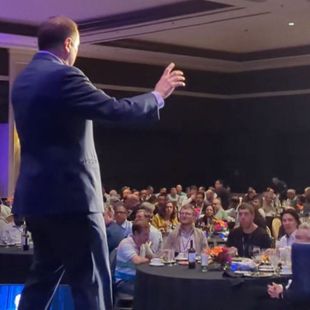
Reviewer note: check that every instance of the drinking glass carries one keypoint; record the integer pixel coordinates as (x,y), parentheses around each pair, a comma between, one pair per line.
(275,260)
(170,257)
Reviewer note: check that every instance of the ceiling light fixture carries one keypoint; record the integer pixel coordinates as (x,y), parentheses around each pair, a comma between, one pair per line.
(291,24)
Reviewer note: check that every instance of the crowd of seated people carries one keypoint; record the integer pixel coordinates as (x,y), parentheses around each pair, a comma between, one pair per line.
(176,216)
(10,229)
(141,224)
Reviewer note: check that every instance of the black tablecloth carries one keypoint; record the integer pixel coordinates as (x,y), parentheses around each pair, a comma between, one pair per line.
(177,287)
(14,264)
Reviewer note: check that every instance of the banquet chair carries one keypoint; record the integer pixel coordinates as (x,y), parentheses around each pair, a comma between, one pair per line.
(122,301)
(275,226)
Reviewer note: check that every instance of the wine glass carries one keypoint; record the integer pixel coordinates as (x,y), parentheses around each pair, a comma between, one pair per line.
(275,260)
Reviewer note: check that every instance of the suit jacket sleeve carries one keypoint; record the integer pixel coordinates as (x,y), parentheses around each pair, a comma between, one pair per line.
(84,99)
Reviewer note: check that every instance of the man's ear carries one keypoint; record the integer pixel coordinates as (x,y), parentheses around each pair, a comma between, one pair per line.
(68,44)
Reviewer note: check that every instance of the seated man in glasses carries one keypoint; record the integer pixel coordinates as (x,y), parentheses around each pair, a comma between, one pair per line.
(120,217)
(179,239)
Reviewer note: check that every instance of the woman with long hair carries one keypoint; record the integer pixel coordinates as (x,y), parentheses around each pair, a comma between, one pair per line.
(166,218)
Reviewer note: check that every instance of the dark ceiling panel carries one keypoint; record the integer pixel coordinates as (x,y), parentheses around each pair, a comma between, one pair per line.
(150,14)
(18,28)
(208,53)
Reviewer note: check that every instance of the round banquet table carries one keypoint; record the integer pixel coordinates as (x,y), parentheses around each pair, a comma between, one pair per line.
(177,287)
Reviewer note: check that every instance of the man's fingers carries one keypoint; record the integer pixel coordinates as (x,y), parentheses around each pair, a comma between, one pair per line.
(177,84)
(169,68)
(180,84)
(177,72)
(177,81)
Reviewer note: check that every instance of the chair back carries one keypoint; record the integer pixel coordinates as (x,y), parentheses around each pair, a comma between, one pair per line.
(275,227)
(112,258)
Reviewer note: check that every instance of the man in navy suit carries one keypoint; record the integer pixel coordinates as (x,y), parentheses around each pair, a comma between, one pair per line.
(59,187)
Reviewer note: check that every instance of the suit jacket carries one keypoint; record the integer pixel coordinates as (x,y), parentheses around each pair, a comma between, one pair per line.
(298,292)
(173,240)
(54,105)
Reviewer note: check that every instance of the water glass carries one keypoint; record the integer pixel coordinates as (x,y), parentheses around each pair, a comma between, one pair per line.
(275,260)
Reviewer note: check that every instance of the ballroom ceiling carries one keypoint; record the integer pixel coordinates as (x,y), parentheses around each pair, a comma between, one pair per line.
(232,35)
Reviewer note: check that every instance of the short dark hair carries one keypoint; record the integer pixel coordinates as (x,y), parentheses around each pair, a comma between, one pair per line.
(188,207)
(202,194)
(140,225)
(118,205)
(247,206)
(54,32)
(293,213)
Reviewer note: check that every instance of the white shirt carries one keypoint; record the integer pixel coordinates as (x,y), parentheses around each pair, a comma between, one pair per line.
(9,233)
(125,269)
(156,238)
(5,211)
(287,240)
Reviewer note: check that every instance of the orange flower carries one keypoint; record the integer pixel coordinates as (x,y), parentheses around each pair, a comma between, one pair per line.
(215,251)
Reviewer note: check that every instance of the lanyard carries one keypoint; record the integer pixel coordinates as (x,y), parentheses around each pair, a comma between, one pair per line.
(184,245)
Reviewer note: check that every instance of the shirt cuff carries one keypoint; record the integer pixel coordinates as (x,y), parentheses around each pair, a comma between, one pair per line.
(159,99)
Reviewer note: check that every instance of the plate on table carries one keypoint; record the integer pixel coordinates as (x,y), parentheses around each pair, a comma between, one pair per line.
(237,259)
(244,273)
(265,268)
(156,264)
(181,258)
(169,261)
(262,274)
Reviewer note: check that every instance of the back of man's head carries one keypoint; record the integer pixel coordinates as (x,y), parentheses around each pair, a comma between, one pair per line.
(53,32)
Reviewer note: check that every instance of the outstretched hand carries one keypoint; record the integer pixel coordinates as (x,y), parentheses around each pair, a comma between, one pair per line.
(169,80)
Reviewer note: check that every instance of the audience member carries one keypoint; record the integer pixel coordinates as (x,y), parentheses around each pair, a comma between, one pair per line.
(290,222)
(206,222)
(244,238)
(250,195)
(173,196)
(166,218)
(222,193)
(179,239)
(128,256)
(155,237)
(120,217)
(115,233)
(291,200)
(259,218)
(199,204)
(220,213)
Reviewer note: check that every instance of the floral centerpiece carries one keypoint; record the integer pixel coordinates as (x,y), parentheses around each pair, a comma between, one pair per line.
(220,255)
(220,229)
(219,226)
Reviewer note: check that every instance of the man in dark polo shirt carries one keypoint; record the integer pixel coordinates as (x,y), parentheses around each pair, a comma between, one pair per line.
(248,235)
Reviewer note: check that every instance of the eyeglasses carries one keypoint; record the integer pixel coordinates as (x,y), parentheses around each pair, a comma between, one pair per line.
(186,213)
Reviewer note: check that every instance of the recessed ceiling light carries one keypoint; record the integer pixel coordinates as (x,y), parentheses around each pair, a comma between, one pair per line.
(291,24)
